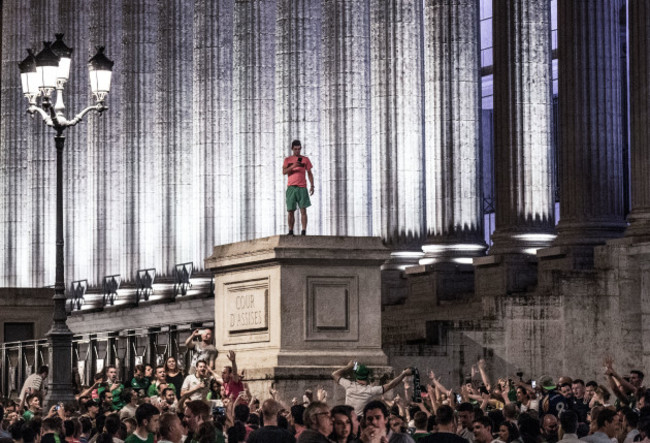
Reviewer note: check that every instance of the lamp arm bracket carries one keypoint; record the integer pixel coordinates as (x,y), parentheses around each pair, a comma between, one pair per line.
(44,114)
(99,107)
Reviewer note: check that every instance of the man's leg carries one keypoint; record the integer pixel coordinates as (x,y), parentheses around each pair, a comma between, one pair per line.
(291,220)
(303,220)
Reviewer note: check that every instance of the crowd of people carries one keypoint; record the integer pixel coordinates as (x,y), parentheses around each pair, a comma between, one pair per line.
(164,404)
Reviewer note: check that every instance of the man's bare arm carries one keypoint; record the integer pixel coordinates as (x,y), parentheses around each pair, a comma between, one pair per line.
(235,375)
(311,181)
(336,375)
(397,380)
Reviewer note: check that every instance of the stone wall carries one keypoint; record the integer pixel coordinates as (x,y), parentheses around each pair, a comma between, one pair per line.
(26,305)
(566,325)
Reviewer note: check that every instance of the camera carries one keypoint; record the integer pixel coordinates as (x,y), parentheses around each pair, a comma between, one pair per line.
(520,374)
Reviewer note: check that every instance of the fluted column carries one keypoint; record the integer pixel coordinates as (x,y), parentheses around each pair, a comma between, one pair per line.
(254,169)
(523,146)
(453,129)
(212,125)
(174,130)
(143,192)
(74,16)
(396,94)
(297,101)
(17,143)
(591,194)
(345,171)
(42,163)
(106,156)
(639,56)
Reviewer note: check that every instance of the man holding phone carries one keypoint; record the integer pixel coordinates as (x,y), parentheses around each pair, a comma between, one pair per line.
(295,167)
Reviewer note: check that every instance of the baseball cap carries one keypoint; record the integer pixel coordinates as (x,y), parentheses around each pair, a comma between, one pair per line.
(546,382)
(361,373)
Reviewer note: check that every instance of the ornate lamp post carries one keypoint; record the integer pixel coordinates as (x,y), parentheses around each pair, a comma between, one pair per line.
(41,74)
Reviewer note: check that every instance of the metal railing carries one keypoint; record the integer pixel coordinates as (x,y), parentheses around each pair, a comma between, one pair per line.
(91,353)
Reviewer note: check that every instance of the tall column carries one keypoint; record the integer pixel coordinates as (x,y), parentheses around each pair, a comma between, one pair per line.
(396,94)
(106,155)
(142,148)
(591,195)
(212,122)
(17,142)
(453,129)
(297,103)
(523,146)
(74,16)
(174,130)
(254,168)
(42,166)
(346,142)
(639,56)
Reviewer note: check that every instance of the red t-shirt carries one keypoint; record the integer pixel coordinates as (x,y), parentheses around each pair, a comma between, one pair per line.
(297,176)
(233,389)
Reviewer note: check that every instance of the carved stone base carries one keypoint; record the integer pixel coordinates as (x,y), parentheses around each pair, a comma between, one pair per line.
(291,305)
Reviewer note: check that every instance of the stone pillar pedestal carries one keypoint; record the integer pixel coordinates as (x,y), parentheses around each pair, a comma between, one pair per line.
(505,274)
(295,308)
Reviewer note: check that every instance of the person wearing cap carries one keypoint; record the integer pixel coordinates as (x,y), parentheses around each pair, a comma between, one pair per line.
(553,402)
(358,392)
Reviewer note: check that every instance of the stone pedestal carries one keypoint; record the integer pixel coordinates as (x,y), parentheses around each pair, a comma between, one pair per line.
(505,274)
(295,308)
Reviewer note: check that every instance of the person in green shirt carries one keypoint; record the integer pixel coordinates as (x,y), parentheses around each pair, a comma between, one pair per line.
(148,418)
(161,378)
(139,382)
(34,406)
(114,386)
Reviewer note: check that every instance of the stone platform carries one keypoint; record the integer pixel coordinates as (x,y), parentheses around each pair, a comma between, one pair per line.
(293,308)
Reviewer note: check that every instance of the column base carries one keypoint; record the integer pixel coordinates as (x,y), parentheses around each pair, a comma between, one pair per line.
(452,251)
(521,242)
(588,233)
(639,226)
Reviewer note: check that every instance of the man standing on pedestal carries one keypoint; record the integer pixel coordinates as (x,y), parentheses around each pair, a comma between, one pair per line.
(295,167)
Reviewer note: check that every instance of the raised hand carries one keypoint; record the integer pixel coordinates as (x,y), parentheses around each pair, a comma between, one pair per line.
(321,394)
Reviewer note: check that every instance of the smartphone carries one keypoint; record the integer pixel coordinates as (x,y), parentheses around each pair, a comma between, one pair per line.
(459,398)
(533,384)
(356,366)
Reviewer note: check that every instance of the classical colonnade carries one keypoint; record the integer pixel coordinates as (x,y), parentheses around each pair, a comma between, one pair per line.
(385,95)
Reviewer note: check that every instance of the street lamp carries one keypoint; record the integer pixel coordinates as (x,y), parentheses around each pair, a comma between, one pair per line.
(41,75)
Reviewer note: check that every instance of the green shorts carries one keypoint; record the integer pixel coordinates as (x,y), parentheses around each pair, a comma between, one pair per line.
(297,196)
